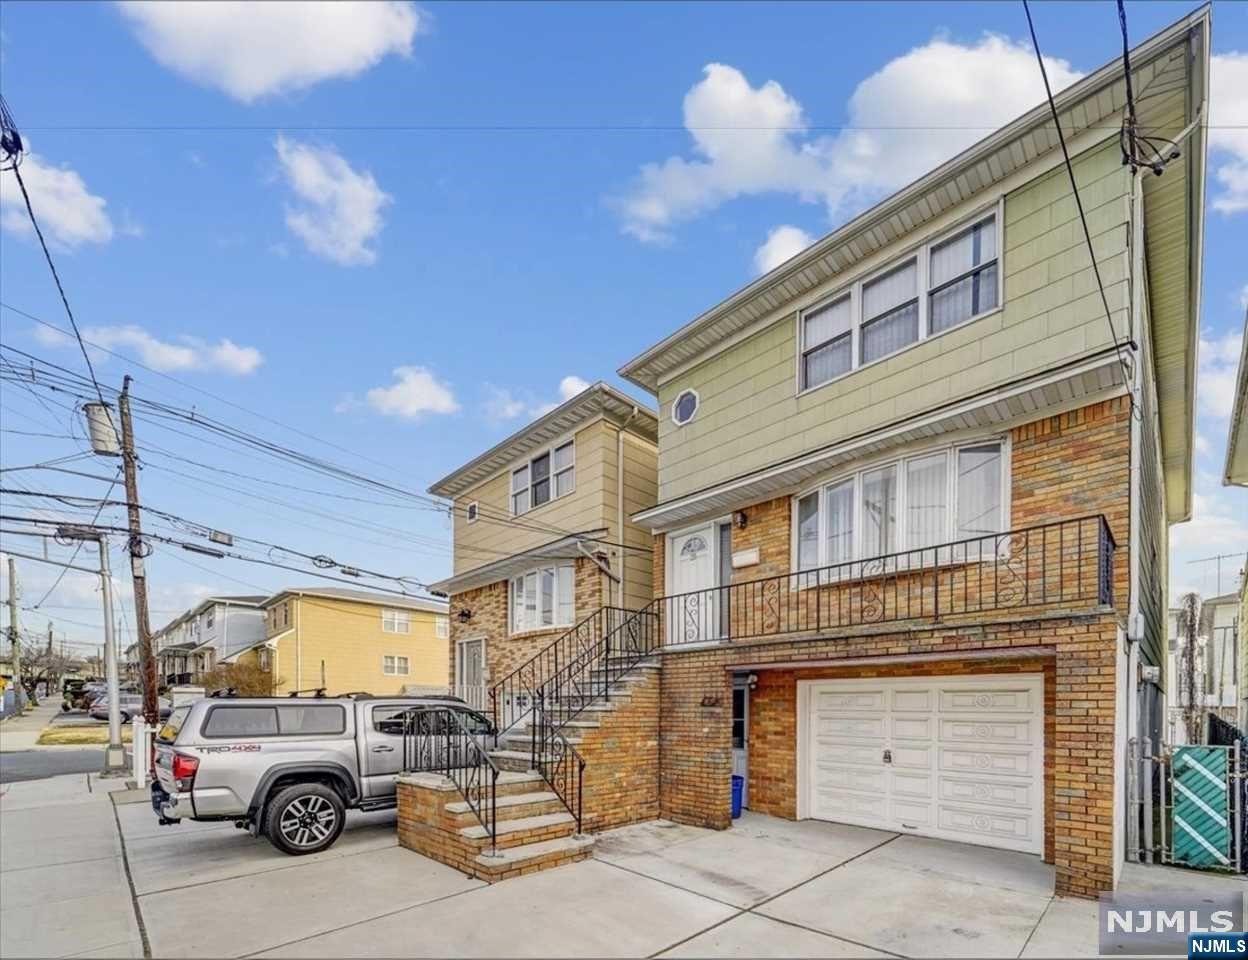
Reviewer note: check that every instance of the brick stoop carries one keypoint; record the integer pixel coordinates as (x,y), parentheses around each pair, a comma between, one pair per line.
(534,831)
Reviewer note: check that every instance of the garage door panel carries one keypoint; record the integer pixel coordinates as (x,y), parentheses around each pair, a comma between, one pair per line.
(913,755)
(984,826)
(995,730)
(912,785)
(1000,793)
(958,758)
(856,728)
(845,701)
(988,761)
(918,700)
(858,779)
(912,727)
(1004,700)
(851,807)
(840,751)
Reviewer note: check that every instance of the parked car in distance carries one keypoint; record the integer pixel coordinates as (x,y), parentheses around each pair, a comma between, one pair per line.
(131,705)
(290,767)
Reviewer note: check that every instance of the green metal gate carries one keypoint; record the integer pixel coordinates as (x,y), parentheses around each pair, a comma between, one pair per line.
(1201,812)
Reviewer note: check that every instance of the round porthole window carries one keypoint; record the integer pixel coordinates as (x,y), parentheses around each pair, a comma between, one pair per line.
(684,407)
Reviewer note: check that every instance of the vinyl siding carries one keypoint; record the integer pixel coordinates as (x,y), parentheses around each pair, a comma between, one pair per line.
(349,639)
(751,416)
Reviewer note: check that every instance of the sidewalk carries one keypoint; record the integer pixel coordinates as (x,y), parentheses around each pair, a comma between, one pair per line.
(20,733)
(63,884)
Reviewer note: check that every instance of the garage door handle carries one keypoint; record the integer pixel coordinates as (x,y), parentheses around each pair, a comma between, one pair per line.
(383,749)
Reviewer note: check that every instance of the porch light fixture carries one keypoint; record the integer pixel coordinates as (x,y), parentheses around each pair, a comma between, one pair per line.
(464,615)
(740,519)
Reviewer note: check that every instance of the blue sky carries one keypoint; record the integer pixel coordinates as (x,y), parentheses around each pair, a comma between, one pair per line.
(405,229)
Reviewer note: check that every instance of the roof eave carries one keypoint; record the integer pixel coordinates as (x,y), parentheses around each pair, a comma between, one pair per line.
(1237,432)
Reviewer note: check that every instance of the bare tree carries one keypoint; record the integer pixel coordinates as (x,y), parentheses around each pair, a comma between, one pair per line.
(46,666)
(1189,627)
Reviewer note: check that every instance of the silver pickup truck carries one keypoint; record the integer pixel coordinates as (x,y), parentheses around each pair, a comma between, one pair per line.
(288,767)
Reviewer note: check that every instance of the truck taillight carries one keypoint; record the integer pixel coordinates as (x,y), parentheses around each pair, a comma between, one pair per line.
(184,768)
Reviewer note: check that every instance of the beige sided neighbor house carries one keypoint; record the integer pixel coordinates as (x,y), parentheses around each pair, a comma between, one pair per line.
(910,535)
(542,534)
(352,641)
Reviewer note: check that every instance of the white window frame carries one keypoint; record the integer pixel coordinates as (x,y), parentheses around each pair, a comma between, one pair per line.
(538,626)
(898,462)
(392,619)
(394,671)
(697,406)
(472,512)
(921,253)
(442,627)
(528,465)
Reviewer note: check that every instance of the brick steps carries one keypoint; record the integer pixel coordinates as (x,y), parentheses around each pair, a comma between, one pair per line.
(515,861)
(521,831)
(534,804)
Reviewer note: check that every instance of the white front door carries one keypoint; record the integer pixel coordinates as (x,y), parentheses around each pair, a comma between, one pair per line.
(470,672)
(959,758)
(691,604)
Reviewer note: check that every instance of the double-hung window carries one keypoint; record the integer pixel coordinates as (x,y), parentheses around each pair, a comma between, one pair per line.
(962,277)
(827,335)
(396,621)
(890,312)
(945,282)
(543,598)
(548,475)
(911,504)
(395,666)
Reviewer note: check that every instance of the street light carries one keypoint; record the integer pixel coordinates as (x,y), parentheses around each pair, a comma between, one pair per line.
(115,752)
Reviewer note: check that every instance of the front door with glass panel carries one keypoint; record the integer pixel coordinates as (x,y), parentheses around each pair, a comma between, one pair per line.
(692,606)
(470,672)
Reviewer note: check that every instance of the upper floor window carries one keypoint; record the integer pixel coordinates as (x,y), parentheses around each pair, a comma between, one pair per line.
(471,512)
(948,281)
(209,618)
(543,598)
(548,475)
(441,627)
(396,621)
(932,498)
(684,407)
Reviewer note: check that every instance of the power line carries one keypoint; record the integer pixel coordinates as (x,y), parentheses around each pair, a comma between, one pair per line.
(1087,234)
(526,128)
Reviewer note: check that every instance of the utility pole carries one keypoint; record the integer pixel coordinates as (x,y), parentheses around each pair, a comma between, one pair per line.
(13,638)
(142,628)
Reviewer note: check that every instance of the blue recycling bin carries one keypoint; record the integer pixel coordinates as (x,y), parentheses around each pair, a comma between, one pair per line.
(738,788)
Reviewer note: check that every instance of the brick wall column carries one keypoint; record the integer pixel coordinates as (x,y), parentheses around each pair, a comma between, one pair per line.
(695,742)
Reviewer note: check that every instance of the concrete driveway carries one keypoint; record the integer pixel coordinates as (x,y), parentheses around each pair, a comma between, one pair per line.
(79,872)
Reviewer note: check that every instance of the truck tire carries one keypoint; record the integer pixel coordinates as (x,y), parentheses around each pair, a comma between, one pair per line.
(304,818)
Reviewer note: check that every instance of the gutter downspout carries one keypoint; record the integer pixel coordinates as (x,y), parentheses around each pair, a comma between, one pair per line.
(619,500)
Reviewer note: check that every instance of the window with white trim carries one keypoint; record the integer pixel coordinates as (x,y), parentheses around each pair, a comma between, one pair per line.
(543,598)
(931,498)
(471,512)
(545,477)
(441,627)
(948,281)
(396,621)
(395,666)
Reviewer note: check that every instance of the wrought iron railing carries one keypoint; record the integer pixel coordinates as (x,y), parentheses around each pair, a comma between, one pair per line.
(437,740)
(1068,562)
(513,698)
(559,763)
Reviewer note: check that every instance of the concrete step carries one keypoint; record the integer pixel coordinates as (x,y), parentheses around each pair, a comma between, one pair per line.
(533,804)
(512,861)
(523,831)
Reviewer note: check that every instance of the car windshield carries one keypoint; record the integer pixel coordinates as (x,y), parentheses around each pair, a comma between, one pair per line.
(169,732)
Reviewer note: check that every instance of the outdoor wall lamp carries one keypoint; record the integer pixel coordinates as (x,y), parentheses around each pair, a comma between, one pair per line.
(740,519)
(464,615)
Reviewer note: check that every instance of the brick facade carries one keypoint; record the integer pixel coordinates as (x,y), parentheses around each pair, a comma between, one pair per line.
(505,651)
(622,758)
(1062,467)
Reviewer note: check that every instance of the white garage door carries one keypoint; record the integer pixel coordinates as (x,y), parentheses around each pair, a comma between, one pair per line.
(960,758)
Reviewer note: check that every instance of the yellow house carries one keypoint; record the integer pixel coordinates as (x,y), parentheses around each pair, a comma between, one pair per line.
(354,641)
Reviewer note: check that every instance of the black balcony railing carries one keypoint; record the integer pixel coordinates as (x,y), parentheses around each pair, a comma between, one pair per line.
(1065,563)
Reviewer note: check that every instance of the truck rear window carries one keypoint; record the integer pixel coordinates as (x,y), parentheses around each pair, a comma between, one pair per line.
(169,732)
(256,721)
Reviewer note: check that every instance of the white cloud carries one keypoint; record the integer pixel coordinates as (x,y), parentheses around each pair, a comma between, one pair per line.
(502,404)
(754,140)
(69,214)
(1228,129)
(339,213)
(415,392)
(252,49)
(782,243)
(1215,381)
(1215,523)
(187,353)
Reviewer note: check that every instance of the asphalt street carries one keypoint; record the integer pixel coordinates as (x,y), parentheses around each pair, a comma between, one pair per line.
(37,764)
